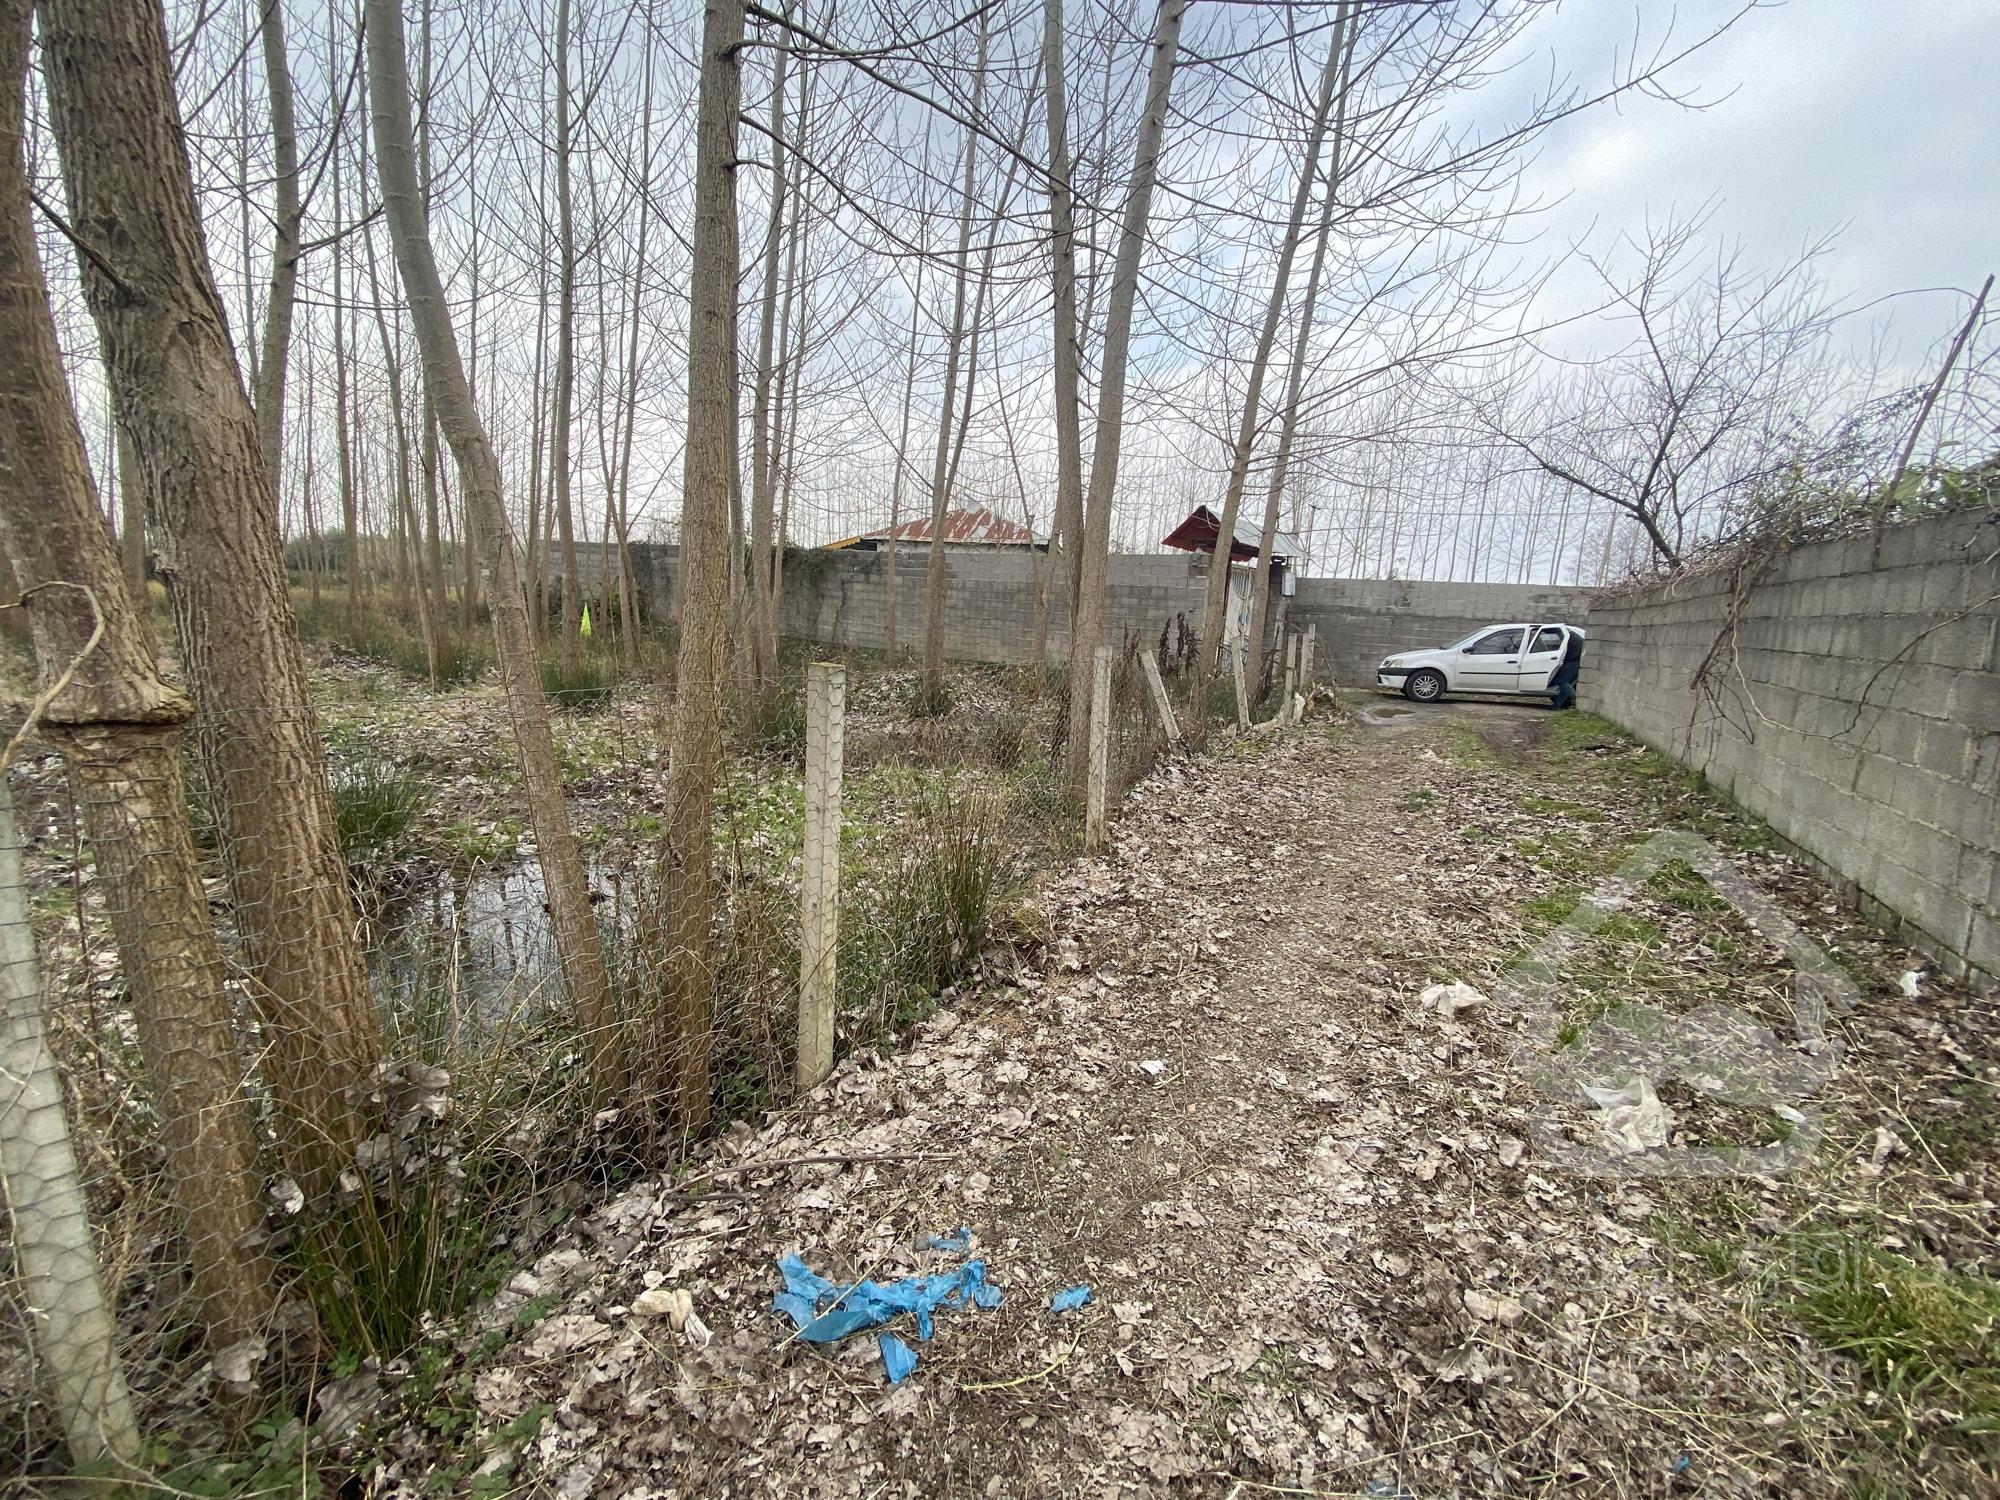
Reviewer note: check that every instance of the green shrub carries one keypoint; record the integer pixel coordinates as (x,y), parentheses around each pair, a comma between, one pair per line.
(941,906)
(776,725)
(923,701)
(585,690)
(374,804)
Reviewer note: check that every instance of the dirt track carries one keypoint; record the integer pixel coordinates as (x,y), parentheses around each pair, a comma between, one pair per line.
(1323,1258)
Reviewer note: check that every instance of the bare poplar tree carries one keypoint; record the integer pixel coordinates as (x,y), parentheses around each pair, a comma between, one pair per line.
(119,727)
(563,876)
(1246,432)
(1344,33)
(176,388)
(565,377)
(941,463)
(707,475)
(272,363)
(1087,627)
(1066,534)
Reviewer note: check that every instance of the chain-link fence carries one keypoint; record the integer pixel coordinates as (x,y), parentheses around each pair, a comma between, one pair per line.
(330,1040)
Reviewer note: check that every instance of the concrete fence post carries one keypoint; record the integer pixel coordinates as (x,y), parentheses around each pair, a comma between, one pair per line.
(1094,815)
(1242,694)
(1162,704)
(819,886)
(1285,714)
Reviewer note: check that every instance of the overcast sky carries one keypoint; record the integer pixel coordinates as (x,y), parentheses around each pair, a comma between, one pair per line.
(1880,118)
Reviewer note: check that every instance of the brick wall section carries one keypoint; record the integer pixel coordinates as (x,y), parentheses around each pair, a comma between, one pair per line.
(1864,725)
(839,598)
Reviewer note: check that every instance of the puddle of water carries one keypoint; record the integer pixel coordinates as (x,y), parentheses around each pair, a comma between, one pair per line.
(1375,714)
(483,938)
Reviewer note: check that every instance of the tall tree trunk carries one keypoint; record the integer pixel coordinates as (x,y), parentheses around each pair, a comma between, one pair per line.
(132,514)
(563,877)
(350,562)
(559,447)
(119,727)
(708,459)
(902,465)
(176,388)
(940,466)
(1087,628)
(406,514)
(1253,395)
(1066,533)
(285,254)
(437,635)
(763,454)
(1344,32)
(627,591)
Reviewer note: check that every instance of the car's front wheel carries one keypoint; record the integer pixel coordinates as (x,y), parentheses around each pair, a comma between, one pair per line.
(1424,687)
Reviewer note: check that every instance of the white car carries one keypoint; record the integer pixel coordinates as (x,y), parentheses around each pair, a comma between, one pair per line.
(1520,659)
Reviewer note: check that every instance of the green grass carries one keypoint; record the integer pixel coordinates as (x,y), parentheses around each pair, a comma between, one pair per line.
(375,804)
(1923,1337)
(586,688)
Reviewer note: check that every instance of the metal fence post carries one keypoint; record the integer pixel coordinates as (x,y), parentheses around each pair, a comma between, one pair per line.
(1094,828)
(819,885)
(1162,704)
(56,1265)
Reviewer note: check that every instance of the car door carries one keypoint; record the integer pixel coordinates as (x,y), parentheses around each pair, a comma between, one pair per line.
(1544,654)
(1491,663)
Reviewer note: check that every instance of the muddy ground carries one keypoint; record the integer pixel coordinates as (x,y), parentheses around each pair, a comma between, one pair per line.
(1326,1251)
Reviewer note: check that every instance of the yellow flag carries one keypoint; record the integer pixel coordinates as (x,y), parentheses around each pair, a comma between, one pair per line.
(584,629)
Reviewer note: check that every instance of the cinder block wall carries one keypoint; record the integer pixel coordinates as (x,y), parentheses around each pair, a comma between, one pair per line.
(1859,714)
(841,598)
(1360,621)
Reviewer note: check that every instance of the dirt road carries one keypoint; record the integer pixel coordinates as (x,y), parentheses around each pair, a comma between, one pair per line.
(1324,1256)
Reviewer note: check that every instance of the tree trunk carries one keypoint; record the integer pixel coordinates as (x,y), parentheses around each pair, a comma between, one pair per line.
(132,514)
(627,592)
(763,455)
(1260,583)
(1087,628)
(176,389)
(571,920)
(285,254)
(708,459)
(559,445)
(940,466)
(1065,534)
(1253,395)
(119,726)
(902,468)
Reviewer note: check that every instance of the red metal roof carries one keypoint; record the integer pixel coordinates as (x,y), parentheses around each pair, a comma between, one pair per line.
(1199,531)
(974,527)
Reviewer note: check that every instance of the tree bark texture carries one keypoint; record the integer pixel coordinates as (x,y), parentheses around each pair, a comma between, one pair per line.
(707,466)
(571,920)
(176,389)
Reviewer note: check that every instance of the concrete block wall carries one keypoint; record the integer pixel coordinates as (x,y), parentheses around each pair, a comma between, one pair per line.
(1361,620)
(841,598)
(1860,716)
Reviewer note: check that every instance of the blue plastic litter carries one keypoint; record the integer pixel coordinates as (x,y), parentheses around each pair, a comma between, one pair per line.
(898,1358)
(1070,1297)
(957,1242)
(825,1313)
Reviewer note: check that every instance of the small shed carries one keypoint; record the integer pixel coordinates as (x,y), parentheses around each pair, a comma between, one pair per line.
(1199,531)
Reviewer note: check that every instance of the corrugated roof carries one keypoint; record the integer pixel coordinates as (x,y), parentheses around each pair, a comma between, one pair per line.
(975,527)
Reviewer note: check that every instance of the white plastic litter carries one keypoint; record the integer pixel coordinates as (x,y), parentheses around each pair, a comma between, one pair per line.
(1449,999)
(1913,982)
(1634,1120)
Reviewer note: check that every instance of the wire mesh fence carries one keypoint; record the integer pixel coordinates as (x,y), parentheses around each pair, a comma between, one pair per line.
(327,1045)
